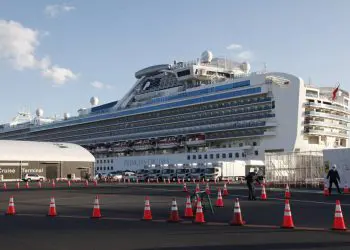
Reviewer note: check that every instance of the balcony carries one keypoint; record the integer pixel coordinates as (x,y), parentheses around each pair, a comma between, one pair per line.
(326,124)
(311,131)
(326,106)
(234,134)
(325,115)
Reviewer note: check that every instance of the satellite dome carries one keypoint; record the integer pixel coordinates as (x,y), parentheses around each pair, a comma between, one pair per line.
(66,116)
(245,66)
(94,101)
(206,56)
(39,112)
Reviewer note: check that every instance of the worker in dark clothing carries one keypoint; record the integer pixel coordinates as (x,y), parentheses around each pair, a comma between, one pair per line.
(251,178)
(333,177)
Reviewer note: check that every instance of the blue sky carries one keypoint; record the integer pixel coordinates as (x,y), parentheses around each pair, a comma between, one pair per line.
(52,51)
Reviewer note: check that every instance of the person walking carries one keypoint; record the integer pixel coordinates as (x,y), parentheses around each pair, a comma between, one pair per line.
(333,177)
(251,178)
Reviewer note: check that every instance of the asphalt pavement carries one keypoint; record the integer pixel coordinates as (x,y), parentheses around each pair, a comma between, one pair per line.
(122,209)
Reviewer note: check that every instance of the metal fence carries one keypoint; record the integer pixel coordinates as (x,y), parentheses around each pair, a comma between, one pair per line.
(295,168)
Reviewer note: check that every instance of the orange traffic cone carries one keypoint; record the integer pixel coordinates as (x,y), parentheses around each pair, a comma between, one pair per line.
(346,189)
(147,214)
(53,184)
(17,185)
(199,213)
(168,180)
(11,208)
(287,192)
(219,201)
(325,191)
(263,193)
(287,218)
(207,189)
(338,223)
(5,186)
(237,219)
(27,184)
(225,193)
(174,212)
(96,212)
(52,209)
(185,187)
(197,188)
(68,183)
(188,209)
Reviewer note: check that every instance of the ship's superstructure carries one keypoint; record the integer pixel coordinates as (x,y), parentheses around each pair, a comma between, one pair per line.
(207,110)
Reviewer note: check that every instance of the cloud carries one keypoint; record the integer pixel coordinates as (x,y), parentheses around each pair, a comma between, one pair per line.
(18,45)
(234,46)
(59,75)
(56,9)
(246,55)
(100,85)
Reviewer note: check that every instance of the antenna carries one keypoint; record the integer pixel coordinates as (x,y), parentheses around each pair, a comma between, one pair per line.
(265,67)
(310,81)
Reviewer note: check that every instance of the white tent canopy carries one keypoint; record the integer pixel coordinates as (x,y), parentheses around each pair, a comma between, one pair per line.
(43,151)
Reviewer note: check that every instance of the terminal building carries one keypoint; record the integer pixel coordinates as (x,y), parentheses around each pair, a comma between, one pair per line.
(51,160)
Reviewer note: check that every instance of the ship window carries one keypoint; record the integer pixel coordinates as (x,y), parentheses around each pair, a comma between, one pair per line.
(111,168)
(104,161)
(217,156)
(104,168)
(230,155)
(205,156)
(241,144)
(194,157)
(237,155)
(183,73)
(273,104)
(199,157)
(211,156)
(188,157)
(107,161)
(224,156)
(256,152)
(254,143)
(107,168)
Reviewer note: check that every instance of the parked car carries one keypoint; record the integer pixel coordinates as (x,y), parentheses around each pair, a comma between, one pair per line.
(115,175)
(34,177)
(130,176)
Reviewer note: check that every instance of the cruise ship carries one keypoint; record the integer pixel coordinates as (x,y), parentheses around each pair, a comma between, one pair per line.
(206,110)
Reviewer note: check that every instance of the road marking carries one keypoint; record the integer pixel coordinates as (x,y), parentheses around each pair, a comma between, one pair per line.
(144,187)
(293,200)
(270,198)
(185,222)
